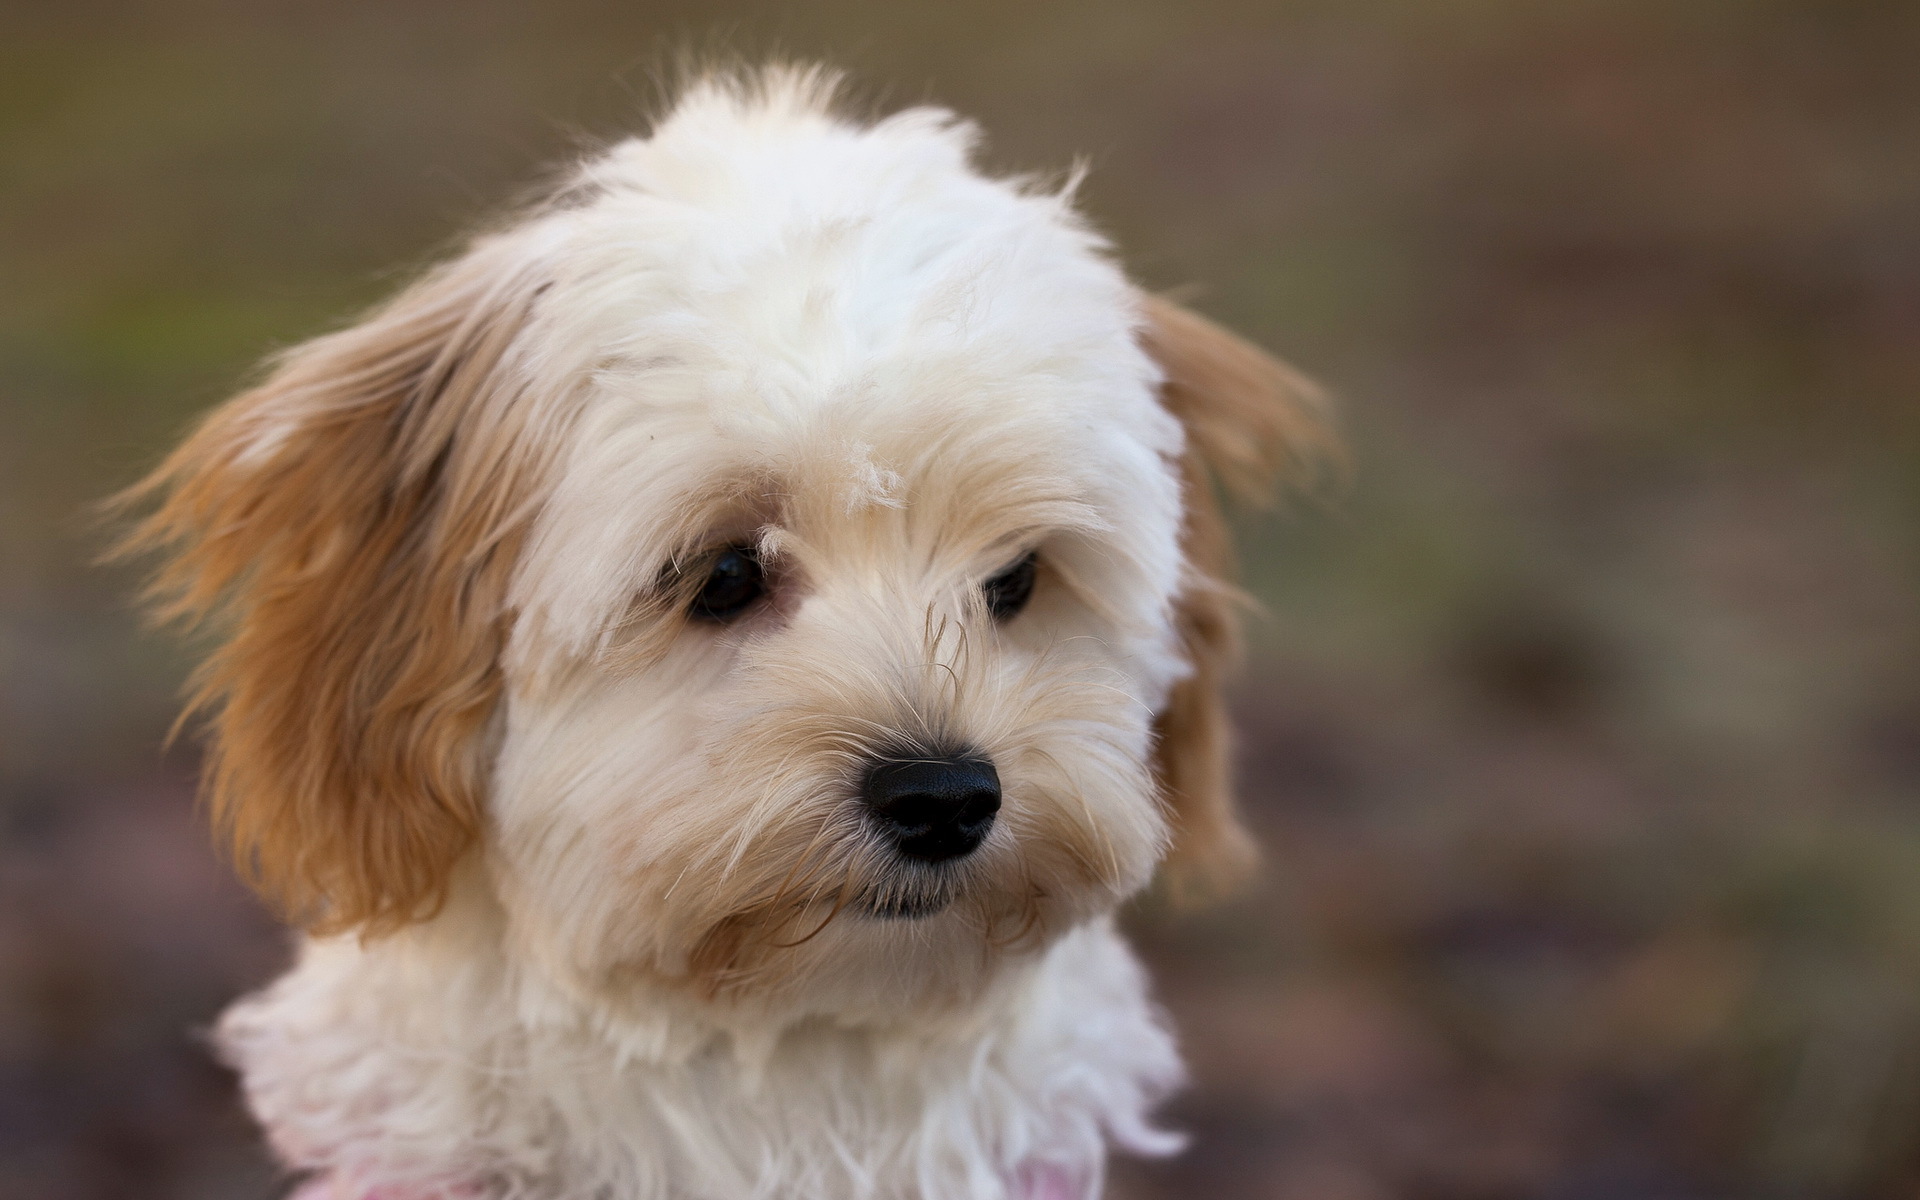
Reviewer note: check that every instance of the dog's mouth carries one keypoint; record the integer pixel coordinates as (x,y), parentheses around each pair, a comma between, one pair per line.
(903,903)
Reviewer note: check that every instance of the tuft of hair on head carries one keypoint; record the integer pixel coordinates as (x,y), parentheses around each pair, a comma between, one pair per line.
(1249,420)
(347,528)
(777,85)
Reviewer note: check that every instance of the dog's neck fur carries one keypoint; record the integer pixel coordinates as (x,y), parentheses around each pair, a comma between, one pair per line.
(430,1063)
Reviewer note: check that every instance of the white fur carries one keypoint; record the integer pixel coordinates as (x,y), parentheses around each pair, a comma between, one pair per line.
(895,374)
(431,1058)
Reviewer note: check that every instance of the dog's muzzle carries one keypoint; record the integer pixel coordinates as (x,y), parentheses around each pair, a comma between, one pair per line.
(933,809)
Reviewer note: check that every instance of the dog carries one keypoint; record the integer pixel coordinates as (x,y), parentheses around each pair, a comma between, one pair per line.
(703,667)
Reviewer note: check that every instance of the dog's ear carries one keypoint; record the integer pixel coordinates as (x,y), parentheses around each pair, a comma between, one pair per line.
(349,525)
(1248,419)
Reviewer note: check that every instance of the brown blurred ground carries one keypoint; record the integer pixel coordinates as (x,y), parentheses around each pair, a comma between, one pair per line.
(1585,731)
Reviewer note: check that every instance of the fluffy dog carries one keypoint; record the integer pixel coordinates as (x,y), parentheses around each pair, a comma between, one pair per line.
(704,666)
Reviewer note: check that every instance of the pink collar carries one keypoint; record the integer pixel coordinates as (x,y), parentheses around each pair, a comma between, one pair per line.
(1048,1181)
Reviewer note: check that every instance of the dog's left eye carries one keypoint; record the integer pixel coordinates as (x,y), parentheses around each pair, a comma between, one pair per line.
(733,583)
(1008,592)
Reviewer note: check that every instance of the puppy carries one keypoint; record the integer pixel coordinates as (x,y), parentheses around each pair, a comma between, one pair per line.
(704,666)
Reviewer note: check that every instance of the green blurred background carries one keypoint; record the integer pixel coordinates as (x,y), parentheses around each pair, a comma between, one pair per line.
(1584,730)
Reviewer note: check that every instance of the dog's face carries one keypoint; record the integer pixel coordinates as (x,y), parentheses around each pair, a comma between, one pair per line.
(783,569)
(841,634)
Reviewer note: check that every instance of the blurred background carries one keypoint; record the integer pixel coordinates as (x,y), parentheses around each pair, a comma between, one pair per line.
(1583,730)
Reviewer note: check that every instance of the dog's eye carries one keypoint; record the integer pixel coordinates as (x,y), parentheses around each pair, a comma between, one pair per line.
(733,583)
(1008,592)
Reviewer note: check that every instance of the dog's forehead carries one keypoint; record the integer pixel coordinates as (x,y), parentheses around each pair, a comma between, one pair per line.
(867,363)
(917,304)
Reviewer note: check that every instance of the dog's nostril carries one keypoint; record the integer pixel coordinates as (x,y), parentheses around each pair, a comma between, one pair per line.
(934,809)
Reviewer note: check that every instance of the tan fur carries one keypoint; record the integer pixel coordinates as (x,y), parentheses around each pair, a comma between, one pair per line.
(352,522)
(1248,419)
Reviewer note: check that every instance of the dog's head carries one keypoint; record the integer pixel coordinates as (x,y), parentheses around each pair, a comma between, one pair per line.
(785,563)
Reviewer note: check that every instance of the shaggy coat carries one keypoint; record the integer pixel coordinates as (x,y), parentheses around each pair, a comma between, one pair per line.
(593,904)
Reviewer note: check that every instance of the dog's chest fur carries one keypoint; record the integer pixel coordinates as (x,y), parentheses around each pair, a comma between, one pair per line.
(413,1067)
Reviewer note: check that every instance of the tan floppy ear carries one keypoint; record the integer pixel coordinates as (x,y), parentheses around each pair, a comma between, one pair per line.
(1248,418)
(349,525)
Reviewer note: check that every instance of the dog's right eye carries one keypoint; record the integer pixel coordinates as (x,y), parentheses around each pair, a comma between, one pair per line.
(733,583)
(1008,592)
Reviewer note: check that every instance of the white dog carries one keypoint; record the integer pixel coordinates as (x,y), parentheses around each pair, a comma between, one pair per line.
(705,665)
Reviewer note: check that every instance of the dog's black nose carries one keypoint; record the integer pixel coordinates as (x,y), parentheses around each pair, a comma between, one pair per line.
(934,809)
